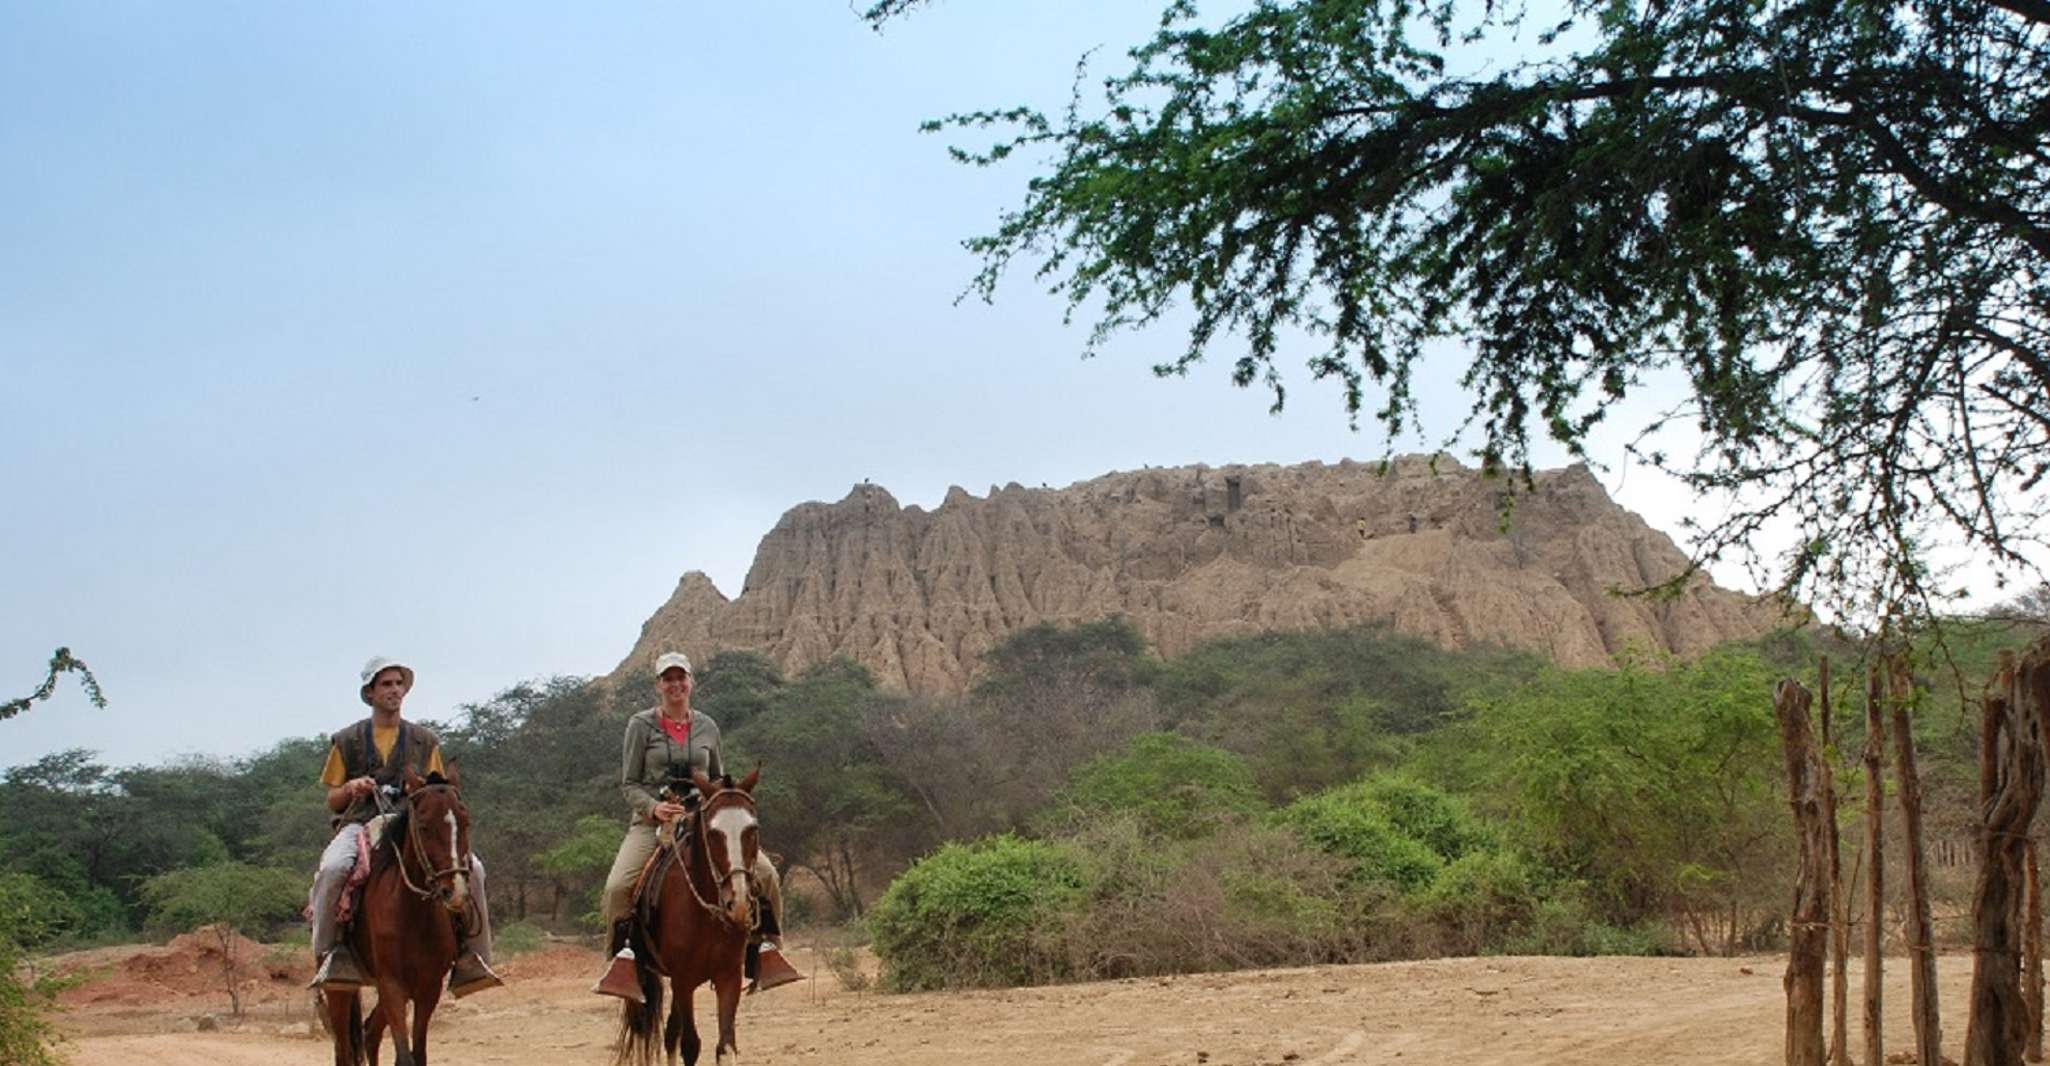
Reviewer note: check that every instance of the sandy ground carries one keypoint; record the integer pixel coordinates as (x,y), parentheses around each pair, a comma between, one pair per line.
(1510,1011)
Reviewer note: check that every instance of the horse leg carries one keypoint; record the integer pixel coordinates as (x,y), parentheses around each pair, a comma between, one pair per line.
(672,1033)
(727,985)
(391,1002)
(345,1024)
(423,1009)
(373,1034)
(683,1011)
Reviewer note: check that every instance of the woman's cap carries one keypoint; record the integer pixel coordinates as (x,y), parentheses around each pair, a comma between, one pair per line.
(669,659)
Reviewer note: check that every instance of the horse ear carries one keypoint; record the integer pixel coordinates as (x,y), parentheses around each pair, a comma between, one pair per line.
(705,785)
(411,781)
(449,774)
(747,784)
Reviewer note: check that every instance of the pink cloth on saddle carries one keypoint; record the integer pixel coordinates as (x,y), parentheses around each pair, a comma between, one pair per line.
(345,901)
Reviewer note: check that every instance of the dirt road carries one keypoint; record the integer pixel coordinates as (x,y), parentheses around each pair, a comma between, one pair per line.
(1507,1011)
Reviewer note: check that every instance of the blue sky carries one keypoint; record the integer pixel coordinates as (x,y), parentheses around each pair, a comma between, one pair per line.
(458,331)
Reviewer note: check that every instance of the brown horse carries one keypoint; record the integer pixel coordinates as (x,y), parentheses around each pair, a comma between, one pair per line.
(697,928)
(405,933)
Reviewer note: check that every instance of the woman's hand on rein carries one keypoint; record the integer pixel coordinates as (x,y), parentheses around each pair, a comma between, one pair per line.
(666,811)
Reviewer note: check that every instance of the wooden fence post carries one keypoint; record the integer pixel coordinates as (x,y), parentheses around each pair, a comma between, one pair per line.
(1839,899)
(1808,952)
(2032,960)
(2010,786)
(1875,874)
(2032,691)
(1921,938)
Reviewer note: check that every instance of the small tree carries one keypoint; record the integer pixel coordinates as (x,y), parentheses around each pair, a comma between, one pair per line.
(225,898)
(585,855)
(30,911)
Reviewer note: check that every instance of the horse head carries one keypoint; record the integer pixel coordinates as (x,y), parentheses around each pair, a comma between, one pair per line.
(438,835)
(729,829)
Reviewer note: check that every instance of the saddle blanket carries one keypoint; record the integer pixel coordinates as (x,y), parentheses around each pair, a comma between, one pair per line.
(345,900)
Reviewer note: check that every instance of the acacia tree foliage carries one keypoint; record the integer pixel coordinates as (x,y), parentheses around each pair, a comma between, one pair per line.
(61,662)
(1831,220)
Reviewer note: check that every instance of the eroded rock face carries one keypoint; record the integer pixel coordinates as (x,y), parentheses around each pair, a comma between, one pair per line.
(1192,553)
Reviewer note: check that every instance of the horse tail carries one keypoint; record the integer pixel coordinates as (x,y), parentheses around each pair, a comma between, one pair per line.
(640,1024)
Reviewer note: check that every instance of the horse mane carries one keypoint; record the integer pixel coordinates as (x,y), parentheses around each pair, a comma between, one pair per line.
(387,850)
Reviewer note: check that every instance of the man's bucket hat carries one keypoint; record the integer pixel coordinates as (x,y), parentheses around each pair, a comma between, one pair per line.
(379,665)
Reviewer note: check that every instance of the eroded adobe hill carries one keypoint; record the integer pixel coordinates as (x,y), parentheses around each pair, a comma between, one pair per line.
(1191,553)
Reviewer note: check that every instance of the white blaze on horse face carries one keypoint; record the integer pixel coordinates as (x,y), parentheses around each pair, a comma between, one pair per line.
(455,860)
(730,824)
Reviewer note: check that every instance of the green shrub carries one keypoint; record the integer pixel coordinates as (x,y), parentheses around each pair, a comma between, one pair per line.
(1438,820)
(976,914)
(1480,901)
(518,938)
(1251,895)
(1349,823)
(1566,924)
(1175,787)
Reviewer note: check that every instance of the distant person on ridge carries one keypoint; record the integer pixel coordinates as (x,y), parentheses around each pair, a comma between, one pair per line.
(369,755)
(664,744)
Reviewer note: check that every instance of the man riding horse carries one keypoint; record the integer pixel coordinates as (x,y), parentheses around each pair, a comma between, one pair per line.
(368,756)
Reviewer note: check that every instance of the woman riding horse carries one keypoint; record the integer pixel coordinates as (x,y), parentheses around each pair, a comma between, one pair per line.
(694,927)
(671,742)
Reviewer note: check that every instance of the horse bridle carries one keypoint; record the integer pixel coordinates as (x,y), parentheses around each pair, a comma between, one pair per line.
(434,874)
(721,884)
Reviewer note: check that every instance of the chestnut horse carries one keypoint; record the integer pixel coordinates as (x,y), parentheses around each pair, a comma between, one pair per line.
(697,927)
(405,932)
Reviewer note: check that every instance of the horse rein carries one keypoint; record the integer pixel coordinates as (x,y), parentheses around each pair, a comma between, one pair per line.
(700,816)
(413,837)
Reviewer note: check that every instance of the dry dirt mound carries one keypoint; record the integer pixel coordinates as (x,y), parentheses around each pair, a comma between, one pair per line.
(190,966)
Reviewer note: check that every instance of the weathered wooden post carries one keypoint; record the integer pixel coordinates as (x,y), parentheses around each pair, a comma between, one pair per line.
(2032,688)
(1839,899)
(2010,786)
(1809,950)
(1875,873)
(1921,934)
(2032,959)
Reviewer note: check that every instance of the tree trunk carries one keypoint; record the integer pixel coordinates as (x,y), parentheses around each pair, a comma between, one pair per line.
(2010,785)
(1921,946)
(1875,880)
(1807,955)
(1839,899)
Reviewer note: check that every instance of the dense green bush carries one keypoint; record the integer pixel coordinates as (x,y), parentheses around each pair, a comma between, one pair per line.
(1351,823)
(977,914)
(517,938)
(1432,817)
(1249,895)
(1568,924)
(1173,786)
